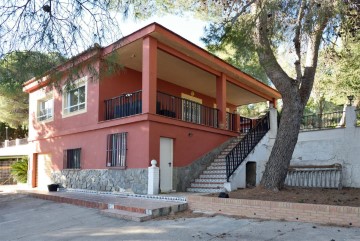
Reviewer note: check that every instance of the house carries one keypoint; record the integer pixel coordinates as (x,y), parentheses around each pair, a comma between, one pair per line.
(150,95)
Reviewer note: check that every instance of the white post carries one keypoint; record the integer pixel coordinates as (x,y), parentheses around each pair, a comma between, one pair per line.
(350,117)
(17,142)
(273,123)
(153,178)
(6,143)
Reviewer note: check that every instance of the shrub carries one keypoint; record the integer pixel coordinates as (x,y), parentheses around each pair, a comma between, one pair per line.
(19,170)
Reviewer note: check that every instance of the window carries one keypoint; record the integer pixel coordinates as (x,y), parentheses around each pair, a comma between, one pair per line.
(72,158)
(45,109)
(116,150)
(74,100)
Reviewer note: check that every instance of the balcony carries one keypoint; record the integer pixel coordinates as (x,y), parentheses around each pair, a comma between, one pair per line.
(186,110)
(130,104)
(124,105)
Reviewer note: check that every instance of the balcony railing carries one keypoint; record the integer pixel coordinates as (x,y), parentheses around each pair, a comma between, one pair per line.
(16,142)
(322,121)
(123,105)
(186,110)
(175,107)
(238,154)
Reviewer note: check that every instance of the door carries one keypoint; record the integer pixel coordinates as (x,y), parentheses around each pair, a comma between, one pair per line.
(44,170)
(166,164)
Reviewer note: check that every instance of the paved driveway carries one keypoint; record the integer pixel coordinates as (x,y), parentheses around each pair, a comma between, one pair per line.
(25,218)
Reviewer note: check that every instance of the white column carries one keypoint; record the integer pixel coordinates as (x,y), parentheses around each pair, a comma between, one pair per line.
(153,178)
(350,117)
(273,123)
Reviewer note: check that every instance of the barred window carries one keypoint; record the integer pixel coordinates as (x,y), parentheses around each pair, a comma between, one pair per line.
(116,150)
(72,158)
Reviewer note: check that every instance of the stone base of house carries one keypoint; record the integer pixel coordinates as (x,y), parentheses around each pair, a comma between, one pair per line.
(129,180)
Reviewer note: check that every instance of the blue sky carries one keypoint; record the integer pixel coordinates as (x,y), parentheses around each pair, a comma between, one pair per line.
(190,28)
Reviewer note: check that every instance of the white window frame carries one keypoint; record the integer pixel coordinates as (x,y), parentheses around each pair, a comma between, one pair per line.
(50,116)
(66,98)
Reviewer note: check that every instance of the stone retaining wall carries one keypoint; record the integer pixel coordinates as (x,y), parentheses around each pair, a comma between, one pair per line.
(129,180)
(184,176)
(298,212)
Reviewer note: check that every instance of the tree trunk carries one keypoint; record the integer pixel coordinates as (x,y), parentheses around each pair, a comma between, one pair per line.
(277,166)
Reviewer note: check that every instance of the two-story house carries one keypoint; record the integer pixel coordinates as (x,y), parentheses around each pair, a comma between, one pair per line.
(150,95)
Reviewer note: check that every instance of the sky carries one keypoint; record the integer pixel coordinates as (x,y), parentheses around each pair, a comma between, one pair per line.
(190,28)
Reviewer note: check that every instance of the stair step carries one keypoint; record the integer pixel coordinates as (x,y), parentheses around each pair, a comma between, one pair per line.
(216,176)
(132,216)
(208,185)
(205,190)
(219,160)
(215,172)
(215,167)
(218,163)
(210,180)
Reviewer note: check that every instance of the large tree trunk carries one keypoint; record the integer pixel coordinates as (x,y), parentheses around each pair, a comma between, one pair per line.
(277,166)
(295,91)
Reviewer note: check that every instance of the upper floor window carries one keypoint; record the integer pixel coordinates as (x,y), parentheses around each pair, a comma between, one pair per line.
(45,108)
(74,99)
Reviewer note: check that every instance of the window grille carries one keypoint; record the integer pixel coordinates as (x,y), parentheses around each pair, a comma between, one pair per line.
(72,158)
(116,150)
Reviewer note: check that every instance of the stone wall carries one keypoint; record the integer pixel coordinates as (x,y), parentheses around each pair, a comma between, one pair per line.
(183,176)
(318,147)
(129,180)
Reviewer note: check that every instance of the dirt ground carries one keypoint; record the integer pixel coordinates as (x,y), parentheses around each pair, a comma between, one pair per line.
(343,197)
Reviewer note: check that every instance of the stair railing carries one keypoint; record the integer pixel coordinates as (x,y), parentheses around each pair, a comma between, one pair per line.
(238,154)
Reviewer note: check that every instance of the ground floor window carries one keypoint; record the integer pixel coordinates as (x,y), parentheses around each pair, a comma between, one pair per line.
(116,150)
(72,158)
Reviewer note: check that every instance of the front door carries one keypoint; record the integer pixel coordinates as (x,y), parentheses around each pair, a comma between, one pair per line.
(166,164)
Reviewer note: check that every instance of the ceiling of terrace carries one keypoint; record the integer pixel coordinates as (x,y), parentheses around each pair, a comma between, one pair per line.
(179,72)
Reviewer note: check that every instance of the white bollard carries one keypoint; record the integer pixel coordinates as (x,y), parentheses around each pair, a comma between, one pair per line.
(153,178)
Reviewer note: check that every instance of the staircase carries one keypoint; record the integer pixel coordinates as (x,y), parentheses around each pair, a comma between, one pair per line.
(225,164)
(213,178)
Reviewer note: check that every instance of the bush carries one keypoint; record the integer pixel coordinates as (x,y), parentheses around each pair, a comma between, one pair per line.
(19,170)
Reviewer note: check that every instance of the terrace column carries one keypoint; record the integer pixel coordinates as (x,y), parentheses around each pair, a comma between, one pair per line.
(221,99)
(149,75)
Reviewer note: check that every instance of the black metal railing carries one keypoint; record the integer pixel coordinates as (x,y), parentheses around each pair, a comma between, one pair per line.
(357,113)
(186,110)
(322,121)
(123,105)
(238,154)
(246,124)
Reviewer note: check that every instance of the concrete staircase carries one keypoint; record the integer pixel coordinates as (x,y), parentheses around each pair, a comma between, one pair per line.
(214,176)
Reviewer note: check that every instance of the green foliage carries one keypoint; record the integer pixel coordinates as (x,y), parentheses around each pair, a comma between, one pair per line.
(253,110)
(13,133)
(15,69)
(19,170)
